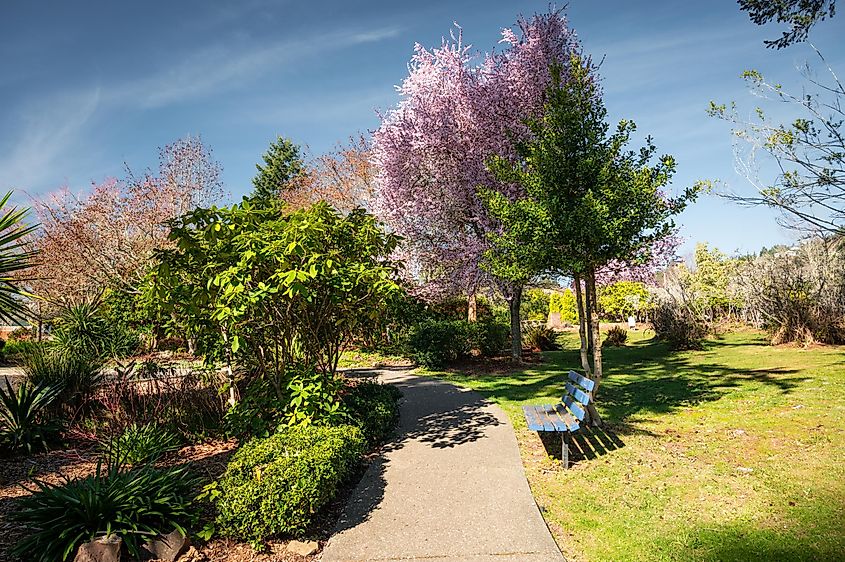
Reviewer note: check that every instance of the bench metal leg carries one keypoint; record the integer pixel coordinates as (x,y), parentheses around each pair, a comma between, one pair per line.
(564,455)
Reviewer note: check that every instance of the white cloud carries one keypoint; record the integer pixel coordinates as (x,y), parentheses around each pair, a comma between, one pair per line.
(49,139)
(218,69)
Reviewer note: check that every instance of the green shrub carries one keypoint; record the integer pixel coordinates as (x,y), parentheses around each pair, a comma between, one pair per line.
(14,350)
(141,443)
(488,337)
(373,407)
(540,338)
(23,416)
(434,343)
(313,397)
(76,375)
(131,503)
(275,486)
(616,336)
(81,330)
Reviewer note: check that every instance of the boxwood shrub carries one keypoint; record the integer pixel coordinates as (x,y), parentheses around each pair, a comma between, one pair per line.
(275,486)
(374,408)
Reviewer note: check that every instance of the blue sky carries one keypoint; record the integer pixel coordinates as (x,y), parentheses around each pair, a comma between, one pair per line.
(87,86)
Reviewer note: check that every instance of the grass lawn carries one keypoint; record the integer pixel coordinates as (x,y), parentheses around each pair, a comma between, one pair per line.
(736,452)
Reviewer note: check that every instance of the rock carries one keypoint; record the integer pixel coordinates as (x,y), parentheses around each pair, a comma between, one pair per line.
(104,549)
(167,547)
(192,555)
(306,548)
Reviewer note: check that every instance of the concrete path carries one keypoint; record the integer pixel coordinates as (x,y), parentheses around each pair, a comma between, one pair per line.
(450,487)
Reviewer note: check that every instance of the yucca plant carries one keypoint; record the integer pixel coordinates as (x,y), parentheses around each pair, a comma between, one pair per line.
(15,256)
(22,416)
(77,375)
(132,503)
(141,443)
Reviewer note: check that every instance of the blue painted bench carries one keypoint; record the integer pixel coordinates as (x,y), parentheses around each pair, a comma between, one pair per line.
(566,416)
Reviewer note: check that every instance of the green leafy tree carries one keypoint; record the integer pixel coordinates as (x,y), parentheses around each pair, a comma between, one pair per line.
(564,304)
(709,283)
(619,300)
(280,291)
(588,200)
(800,15)
(282,168)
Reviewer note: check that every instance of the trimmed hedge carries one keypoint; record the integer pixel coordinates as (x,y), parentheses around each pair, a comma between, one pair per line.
(434,343)
(274,486)
(374,408)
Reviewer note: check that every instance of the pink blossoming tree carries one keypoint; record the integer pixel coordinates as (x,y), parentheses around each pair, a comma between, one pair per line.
(458,109)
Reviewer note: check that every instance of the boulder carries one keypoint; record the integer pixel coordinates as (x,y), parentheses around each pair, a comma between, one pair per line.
(104,549)
(303,548)
(167,547)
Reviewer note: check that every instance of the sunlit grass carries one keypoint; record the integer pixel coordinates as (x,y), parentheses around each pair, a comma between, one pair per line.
(731,453)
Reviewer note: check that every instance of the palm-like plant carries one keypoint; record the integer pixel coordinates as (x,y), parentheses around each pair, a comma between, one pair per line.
(21,413)
(14,257)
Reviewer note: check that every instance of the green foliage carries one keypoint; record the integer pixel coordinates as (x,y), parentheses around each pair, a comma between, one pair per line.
(616,336)
(81,330)
(535,305)
(622,299)
(540,338)
(23,424)
(75,375)
(374,408)
(588,199)
(15,256)
(131,503)
(282,165)
(489,337)
(564,304)
(257,414)
(709,284)
(434,343)
(313,397)
(141,443)
(275,486)
(277,288)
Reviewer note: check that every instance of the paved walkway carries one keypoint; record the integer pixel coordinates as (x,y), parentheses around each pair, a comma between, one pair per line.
(450,487)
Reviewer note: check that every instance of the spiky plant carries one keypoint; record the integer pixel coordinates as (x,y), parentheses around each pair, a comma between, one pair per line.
(22,415)
(14,258)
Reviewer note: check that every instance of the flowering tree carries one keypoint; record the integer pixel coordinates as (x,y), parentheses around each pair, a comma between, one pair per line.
(457,110)
(106,237)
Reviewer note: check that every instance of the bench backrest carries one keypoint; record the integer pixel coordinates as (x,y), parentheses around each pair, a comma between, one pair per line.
(579,393)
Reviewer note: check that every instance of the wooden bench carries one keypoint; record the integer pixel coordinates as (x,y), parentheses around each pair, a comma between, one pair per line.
(566,416)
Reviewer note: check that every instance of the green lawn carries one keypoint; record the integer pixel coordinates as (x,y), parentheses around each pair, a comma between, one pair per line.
(736,452)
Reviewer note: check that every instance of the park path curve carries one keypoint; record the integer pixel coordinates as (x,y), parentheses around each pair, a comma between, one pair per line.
(449,487)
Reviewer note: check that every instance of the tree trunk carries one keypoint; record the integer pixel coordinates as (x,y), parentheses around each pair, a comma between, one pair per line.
(516,327)
(595,328)
(472,307)
(582,329)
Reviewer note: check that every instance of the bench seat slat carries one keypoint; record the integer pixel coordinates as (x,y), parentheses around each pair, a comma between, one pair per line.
(538,419)
(583,382)
(553,413)
(569,423)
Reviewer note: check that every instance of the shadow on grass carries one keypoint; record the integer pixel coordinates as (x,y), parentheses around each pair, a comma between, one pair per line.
(644,377)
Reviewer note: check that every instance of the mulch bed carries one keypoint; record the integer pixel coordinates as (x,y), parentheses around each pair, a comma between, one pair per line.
(207,459)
